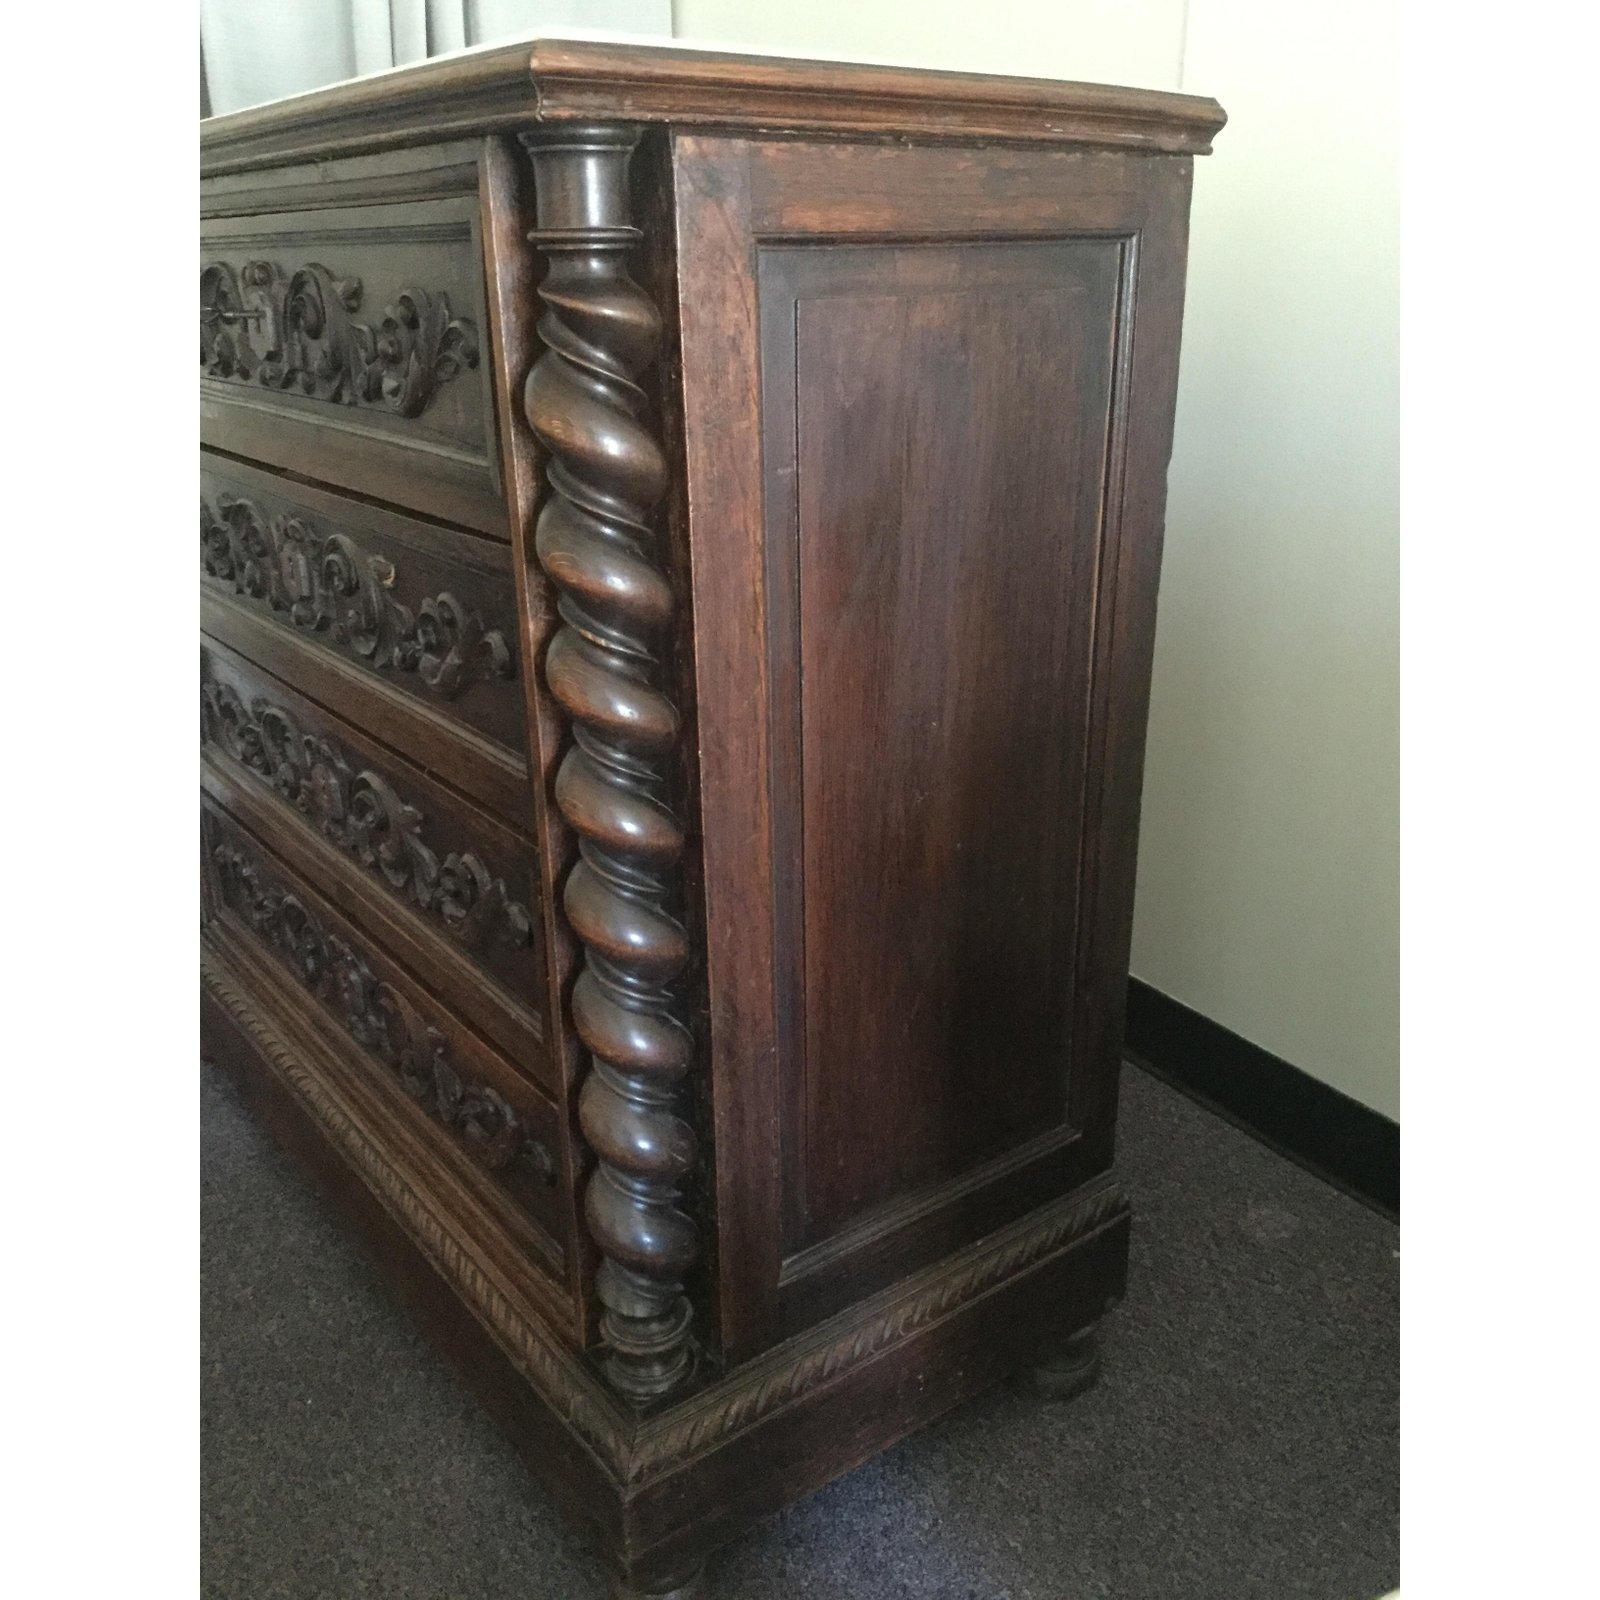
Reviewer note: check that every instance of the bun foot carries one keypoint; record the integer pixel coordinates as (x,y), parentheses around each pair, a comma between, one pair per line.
(687,1586)
(1071,1371)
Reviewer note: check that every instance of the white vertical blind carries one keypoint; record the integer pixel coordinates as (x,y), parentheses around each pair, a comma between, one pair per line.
(254,51)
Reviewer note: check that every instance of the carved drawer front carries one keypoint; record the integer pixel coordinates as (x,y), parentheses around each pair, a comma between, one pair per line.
(415,610)
(465,1095)
(441,881)
(351,345)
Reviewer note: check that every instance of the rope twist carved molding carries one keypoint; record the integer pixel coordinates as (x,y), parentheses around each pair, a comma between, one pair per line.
(642,1451)
(361,812)
(326,583)
(380,1019)
(297,331)
(605,474)
(744,1398)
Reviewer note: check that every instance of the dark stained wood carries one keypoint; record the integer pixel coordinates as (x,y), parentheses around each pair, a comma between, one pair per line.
(355,335)
(388,842)
(596,541)
(269,1060)
(426,173)
(705,88)
(1071,1369)
(425,609)
(479,768)
(548,80)
(671,871)
(815,191)
(937,552)
(472,1102)
(945,734)
(719,332)
(659,1496)
(513,273)
(876,1402)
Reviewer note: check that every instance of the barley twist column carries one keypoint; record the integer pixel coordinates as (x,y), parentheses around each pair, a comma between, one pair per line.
(604,476)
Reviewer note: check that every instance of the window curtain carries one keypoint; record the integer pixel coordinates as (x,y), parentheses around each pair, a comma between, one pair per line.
(255,50)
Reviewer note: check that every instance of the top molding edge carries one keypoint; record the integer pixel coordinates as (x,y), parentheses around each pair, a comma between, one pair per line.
(558,80)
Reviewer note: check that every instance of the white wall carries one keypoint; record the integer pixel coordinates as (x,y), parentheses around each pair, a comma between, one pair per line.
(1110,41)
(1269,851)
(1268,874)
(255,50)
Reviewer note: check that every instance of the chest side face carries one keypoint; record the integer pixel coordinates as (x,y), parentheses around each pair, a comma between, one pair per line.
(934,572)
(919,678)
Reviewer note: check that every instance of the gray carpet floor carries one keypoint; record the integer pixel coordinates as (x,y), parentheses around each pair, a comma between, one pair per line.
(1242,1443)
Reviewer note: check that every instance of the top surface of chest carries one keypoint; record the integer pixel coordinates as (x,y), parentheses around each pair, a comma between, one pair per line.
(571,80)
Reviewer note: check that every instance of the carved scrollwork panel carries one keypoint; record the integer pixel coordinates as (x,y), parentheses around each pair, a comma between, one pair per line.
(299,332)
(361,812)
(326,583)
(383,1021)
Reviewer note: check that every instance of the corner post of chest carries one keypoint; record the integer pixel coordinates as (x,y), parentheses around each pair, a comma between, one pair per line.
(608,669)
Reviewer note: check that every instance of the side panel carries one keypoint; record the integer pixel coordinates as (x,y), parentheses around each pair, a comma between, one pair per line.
(934,570)
(927,399)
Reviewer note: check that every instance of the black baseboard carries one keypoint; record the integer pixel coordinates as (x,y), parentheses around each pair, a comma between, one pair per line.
(1350,1145)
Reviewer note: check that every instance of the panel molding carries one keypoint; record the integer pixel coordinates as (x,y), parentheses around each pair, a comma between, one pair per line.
(576,80)
(806,285)
(829,1352)
(432,172)
(907,1210)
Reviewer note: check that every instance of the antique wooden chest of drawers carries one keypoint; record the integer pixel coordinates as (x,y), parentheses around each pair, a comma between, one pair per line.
(678,547)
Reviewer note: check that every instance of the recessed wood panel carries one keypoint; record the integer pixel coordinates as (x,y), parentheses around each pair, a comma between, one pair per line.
(938,529)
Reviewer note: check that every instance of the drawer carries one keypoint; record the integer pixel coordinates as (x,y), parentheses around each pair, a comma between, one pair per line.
(494,1126)
(350,344)
(438,878)
(425,610)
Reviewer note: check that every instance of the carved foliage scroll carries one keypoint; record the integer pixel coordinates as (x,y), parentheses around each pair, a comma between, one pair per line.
(325,583)
(299,332)
(360,811)
(380,1019)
